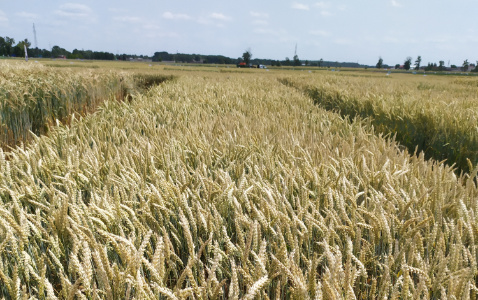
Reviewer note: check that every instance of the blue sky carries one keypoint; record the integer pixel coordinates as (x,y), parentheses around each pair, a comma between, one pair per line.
(341,30)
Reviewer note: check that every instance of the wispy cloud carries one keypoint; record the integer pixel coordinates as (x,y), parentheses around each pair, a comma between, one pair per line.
(73,10)
(395,3)
(220,17)
(326,13)
(215,19)
(173,16)
(256,14)
(3,17)
(300,6)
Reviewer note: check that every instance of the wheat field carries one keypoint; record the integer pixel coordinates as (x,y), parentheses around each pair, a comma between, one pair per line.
(225,185)
(433,114)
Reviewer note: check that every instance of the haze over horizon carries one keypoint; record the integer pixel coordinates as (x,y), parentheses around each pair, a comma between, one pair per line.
(342,30)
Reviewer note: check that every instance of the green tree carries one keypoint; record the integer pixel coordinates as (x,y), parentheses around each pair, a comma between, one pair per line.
(6,46)
(321,61)
(397,66)
(287,61)
(247,56)
(407,63)
(441,67)
(19,49)
(465,65)
(417,62)
(57,51)
(296,60)
(379,63)
(2,46)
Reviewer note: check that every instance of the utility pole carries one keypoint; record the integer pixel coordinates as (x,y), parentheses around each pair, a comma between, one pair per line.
(35,36)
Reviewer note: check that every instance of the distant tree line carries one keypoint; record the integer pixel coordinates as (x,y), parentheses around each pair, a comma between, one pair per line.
(407,65)
(8,47)
(192,58)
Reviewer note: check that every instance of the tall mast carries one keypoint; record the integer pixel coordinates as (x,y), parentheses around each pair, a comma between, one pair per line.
(35,36)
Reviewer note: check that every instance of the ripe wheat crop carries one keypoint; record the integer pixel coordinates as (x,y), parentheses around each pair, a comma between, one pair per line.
(231,187)
(437,115)
(32,97)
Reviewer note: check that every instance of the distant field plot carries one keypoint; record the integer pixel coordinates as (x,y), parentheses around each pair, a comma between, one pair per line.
(237,185)
(434,114)
(32,97)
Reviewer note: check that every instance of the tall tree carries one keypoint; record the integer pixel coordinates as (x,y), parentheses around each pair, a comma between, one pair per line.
(247,56)
(6,46)
(465,65)
(296,60)
(417,62)
(441,66)
(407,63)
(57,51)
(321,61)
(379,63)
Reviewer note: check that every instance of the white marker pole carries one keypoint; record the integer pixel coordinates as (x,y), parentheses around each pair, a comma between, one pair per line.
(26,52)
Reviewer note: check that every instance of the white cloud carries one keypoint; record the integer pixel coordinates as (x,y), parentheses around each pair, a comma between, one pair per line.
(73,10)
(320,33)
(172,16)
(256,14)
(220,17)
(296,5)
(26,15)
(3,17)
(326,13)
(395,3)
(215,19)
